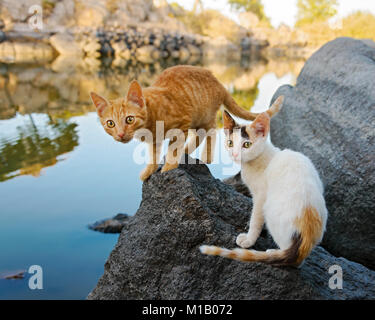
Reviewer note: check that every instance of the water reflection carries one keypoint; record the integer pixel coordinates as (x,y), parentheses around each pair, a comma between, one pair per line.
(61,91)
(35,147)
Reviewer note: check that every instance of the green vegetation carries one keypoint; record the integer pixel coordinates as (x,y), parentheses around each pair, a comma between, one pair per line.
(48,6)
(254,6)
(359,25)
(311,11)
(209,23)
(313,16)
(246,98)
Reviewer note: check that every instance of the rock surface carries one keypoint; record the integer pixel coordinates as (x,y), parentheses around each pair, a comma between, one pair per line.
(237,183)
(157,255)
(330,116)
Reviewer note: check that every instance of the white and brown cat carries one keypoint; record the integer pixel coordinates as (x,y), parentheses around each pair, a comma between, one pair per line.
(287,196)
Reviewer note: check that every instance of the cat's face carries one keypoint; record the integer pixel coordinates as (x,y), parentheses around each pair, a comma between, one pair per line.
(122,117)
(247,142)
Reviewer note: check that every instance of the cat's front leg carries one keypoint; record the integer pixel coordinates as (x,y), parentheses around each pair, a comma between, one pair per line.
(152,166)
(148,171)
(175,151)
(247,240)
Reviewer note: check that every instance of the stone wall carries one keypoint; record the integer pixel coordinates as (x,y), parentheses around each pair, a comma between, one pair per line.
(145,30)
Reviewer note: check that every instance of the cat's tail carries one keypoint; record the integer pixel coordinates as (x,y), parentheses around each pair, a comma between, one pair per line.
(289,257)
(276,106)
(235,109)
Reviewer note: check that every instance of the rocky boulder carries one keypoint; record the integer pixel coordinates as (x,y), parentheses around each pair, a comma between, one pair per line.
(330,116)
(157,255)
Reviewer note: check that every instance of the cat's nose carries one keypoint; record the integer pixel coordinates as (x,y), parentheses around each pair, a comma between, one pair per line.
(121,135)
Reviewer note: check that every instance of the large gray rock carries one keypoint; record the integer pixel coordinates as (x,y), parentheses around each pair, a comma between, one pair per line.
(157,255)
(330,116)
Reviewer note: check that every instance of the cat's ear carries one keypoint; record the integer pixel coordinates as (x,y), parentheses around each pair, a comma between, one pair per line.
(229,122)
(261,125)
(135,94)
(99,102)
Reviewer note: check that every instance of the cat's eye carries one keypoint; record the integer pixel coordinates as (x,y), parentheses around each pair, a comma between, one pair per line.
(246,144)
(230,143)
(129,119)
(110,123)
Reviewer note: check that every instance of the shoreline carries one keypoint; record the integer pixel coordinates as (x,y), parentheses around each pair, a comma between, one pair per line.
(146,45)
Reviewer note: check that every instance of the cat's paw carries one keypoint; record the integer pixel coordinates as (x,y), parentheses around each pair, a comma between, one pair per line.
(244,241)
(169,166)
(147,172)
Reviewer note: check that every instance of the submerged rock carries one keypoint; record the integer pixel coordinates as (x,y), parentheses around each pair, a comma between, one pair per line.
(111,225)
(330,117)
(157,255)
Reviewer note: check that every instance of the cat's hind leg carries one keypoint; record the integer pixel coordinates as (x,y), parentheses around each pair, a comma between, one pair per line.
(195,140)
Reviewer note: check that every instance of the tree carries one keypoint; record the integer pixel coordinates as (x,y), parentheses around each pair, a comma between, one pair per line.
(254,6)
(310,11)
(197,3)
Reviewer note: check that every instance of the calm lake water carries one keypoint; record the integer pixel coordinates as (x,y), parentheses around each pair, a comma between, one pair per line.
(59,170)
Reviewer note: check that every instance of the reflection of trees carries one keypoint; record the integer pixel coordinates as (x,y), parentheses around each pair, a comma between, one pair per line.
(65,93)
(35,148)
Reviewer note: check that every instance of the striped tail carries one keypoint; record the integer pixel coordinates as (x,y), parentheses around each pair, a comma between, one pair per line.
(235,109)
(288,257)
(310,231)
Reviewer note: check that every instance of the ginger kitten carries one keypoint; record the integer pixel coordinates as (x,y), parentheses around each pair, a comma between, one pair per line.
(183,97)
(287,196)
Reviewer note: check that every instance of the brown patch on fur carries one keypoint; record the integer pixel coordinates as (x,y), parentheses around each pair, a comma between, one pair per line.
(310,226)
(229,122)
(290,255)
